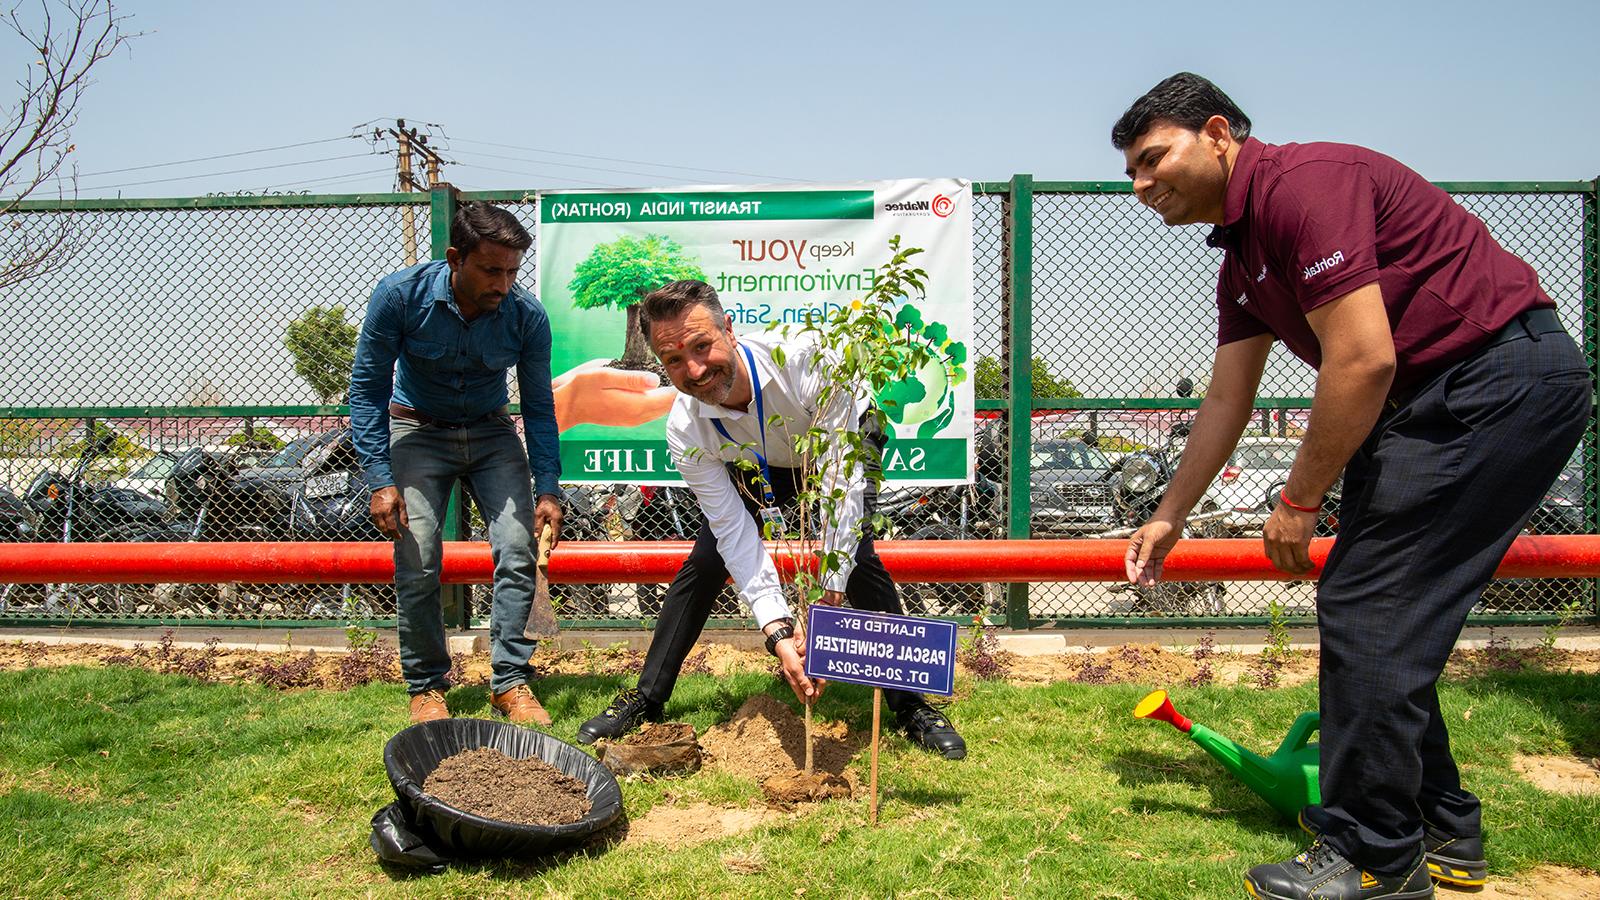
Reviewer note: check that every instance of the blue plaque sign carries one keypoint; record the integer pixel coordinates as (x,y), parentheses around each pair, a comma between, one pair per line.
(880,650)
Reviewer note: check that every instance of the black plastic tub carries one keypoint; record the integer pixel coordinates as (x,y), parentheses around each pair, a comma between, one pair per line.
(412,755)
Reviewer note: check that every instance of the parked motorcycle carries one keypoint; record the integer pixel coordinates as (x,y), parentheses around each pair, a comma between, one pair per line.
(589,509)
(963,512)
(672,514)
(69,508)
(17,525)
(333,502)
(1138,482)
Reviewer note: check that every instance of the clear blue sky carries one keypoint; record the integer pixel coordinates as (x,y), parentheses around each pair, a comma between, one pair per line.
(821,91)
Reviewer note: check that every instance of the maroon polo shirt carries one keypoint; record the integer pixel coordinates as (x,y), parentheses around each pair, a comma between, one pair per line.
(1304,224)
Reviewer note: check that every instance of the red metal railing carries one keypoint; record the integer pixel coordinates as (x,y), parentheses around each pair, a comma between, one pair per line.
(1542,556)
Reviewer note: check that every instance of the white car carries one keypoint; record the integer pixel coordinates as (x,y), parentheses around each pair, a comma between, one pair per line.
(1256,466)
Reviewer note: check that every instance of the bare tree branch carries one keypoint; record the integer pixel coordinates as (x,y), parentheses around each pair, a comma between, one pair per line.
(36,139)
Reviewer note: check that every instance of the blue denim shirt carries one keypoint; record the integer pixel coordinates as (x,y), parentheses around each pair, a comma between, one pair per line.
(416,349)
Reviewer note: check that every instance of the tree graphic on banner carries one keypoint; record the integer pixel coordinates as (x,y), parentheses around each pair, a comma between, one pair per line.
(617,275)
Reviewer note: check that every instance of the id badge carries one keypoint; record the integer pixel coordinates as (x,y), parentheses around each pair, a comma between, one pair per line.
(771,515)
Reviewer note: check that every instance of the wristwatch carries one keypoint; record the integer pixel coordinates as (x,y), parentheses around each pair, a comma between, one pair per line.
(782,633)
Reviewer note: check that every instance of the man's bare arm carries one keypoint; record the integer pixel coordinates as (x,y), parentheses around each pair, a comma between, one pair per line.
(1223,415)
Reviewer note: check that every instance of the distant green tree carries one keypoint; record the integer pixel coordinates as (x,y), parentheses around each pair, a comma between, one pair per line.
(618,275)
(324,348)
(115,457)
(989,381)
(20,437)
(254,439)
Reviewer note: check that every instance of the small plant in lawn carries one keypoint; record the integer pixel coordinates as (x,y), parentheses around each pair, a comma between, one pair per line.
(981,654)
(698,663)
(1091,670)
(298,671)
(1268,667)
(1569,613)
(1203,651)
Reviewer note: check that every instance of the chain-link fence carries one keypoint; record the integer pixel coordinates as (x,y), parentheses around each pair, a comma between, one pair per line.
(178,379)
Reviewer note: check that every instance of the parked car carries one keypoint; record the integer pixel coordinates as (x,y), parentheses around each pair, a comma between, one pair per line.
(1256,464)
(1070,484)
(151,476)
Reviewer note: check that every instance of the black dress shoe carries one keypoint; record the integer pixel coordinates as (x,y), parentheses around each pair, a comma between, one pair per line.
(1321,873)
(630,710)
(1453,860)
(928,728)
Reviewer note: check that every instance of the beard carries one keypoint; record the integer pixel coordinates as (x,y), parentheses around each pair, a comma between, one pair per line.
(715,387)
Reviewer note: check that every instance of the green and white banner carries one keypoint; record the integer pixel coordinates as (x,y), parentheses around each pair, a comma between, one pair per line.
(775,254)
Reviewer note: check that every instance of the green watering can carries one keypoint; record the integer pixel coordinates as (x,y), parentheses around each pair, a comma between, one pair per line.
(1287,779)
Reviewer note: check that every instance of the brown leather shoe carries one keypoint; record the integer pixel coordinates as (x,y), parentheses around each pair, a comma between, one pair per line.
(428,706)
(520,706)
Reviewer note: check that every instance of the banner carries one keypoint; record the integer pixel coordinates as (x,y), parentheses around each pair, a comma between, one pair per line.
(774,254)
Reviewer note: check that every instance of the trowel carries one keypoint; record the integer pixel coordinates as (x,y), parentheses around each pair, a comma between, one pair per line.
(542,616)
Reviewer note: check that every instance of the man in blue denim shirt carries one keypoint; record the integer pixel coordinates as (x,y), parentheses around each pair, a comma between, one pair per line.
(427,407)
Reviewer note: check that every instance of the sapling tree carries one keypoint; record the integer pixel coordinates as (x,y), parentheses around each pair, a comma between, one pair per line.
(862,352)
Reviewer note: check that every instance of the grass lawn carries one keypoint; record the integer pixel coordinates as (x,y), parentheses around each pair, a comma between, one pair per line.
(116,781)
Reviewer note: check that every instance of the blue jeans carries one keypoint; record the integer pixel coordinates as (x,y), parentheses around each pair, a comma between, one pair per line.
(427,462)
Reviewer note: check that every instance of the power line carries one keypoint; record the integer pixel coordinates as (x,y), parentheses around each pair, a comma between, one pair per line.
(636,162)
(538,175)
(570,165)
(305,162)
(182,162)
(329,178)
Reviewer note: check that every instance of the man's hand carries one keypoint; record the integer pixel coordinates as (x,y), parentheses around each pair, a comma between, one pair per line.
(548,510)
(593,393)
(1287,536)
(792,657)
(832,598)
(388,512)
(1148,549)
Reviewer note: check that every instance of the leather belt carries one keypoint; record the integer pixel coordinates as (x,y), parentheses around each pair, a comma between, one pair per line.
(1529,324)
(421,418)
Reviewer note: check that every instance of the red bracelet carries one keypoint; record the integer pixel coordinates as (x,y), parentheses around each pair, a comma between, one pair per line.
(1283,494)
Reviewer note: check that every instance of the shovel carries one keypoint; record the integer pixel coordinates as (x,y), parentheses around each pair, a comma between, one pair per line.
(542,617)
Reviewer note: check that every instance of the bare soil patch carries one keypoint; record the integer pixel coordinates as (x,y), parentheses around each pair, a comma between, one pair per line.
(683,826)
(486,782)
(1560,774)
(1542,883)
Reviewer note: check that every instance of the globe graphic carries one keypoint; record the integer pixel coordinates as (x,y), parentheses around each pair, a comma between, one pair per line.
(936,383)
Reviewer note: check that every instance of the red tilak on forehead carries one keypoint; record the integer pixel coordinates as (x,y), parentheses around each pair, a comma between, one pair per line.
(680,344)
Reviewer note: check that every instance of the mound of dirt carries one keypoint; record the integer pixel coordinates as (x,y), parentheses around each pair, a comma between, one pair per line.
(798,787)
(765,738)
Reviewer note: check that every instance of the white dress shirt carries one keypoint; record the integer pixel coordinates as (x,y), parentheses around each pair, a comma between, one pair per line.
(789,394)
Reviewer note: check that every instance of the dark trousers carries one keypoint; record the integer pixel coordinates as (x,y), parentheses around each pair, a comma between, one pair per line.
(688,601)
(1432,501)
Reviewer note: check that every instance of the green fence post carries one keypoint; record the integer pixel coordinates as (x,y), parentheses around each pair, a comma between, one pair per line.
(1591,350)
(455,599)
(1019,349)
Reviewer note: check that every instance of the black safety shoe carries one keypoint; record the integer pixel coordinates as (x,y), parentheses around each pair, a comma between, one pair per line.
(1320,873)
(928,728)
(1454,861)
(630,710)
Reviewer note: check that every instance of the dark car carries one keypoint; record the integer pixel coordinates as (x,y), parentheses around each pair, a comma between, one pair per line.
(1070,487)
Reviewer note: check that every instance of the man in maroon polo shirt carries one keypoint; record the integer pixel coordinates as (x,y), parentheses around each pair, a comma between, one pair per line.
(1446,391)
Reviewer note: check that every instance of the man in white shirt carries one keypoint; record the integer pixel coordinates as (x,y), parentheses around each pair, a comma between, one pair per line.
(737,402)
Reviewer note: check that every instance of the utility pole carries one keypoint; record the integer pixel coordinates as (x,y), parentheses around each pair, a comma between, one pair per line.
(408,141)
